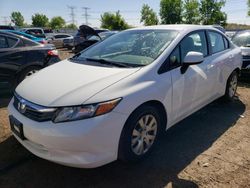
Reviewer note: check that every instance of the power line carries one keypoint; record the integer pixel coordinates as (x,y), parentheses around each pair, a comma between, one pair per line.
(72,14)
(86,15)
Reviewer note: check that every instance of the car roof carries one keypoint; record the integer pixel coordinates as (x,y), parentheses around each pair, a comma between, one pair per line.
(179,27)
(23,33)
(16,36)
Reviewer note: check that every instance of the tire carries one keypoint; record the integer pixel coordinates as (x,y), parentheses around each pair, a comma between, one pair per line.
(134,137)
(231,87)
(27,72)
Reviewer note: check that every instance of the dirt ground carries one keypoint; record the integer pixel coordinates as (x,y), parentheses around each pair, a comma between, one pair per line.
(211,148)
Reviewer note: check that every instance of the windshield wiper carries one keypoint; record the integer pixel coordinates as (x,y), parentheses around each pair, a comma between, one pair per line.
(104,61)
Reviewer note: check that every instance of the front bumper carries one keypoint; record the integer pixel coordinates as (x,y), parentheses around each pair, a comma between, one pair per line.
(86,143)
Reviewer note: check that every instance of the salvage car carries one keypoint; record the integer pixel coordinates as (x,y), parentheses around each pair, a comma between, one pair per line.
(85,32)
(242,39)
(114,99)
(57,39)
(92,40)
(21,57)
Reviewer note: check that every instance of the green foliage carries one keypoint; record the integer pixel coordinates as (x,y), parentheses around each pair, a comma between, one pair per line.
(71,26)
(211,12)
(148,16)
(17,19)
(40,20)
(57,22)
(248,5)
(113,21)
(170,11)
(191,14)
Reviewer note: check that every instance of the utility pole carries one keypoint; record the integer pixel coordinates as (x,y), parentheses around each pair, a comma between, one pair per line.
(72,14)
(86,15)
(5,20)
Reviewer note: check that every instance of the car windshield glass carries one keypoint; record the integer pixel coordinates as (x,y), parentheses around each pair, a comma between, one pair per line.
(133,47)
(242,39)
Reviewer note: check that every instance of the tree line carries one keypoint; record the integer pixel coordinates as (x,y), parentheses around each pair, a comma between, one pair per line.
(206,12)
(41,20)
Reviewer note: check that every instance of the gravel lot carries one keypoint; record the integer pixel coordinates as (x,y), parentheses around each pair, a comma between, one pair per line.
(208,149)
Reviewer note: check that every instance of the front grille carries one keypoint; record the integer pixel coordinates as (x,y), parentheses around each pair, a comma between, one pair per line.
(33,111)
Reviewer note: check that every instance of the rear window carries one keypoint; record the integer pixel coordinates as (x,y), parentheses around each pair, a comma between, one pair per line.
(3,42)
(7,42)
(12,41)
(217,42)
(34,31)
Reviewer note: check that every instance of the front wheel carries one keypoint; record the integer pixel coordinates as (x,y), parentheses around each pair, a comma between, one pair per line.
(139,134)
(231,88)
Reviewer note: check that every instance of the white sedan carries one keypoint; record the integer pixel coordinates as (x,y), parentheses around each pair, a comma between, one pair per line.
(114,99)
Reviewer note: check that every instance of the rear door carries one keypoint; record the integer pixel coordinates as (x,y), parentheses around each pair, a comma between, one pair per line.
(11,58)
(220,59)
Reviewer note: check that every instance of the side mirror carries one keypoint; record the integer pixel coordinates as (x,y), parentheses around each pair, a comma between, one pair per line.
(193,58)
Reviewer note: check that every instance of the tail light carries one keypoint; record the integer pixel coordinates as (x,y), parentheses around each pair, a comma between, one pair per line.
(53,53)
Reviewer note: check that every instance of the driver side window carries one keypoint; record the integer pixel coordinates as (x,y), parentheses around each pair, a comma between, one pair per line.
(195,42)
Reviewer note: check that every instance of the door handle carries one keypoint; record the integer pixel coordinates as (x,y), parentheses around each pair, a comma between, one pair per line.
(15,57)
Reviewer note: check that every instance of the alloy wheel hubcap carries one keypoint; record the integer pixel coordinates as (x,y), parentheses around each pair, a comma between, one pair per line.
(233,86)
(143,135)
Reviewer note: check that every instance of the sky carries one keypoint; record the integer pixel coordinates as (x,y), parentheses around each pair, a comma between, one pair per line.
(129,9)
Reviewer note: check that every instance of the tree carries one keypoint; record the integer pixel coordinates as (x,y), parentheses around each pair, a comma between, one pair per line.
(170,11)
(248,4)
(17,18)
(148,16)
(211,13)
(113,21)
(57,22)
(191,14)
(71,26)
(40,20)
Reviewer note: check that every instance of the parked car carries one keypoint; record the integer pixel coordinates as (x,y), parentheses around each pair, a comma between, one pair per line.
(36,32)
(68,42)
(57,39)
(113,100)
(31,37)
(92,40)
(242,39)
(20,57)
(6,27)
(85,32)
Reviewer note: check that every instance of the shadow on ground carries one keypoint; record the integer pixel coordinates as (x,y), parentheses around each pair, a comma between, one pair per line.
(176,150)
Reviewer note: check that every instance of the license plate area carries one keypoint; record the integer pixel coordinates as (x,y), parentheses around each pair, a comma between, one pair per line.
(16,127)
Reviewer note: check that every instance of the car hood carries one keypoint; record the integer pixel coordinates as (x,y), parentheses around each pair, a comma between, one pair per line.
(87,31)
(67,83)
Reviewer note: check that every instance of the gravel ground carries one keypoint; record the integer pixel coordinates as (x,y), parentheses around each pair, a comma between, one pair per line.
(208,149)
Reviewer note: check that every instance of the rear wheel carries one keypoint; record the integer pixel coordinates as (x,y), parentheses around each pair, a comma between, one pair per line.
(140,134)
(231,88)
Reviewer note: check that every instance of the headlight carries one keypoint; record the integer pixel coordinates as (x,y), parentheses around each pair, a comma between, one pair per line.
(86,111)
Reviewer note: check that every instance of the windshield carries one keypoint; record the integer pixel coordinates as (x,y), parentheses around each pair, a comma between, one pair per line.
(242,39)
(133,47)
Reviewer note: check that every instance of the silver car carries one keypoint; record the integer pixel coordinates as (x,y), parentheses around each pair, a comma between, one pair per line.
(57,39)
(242,39)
